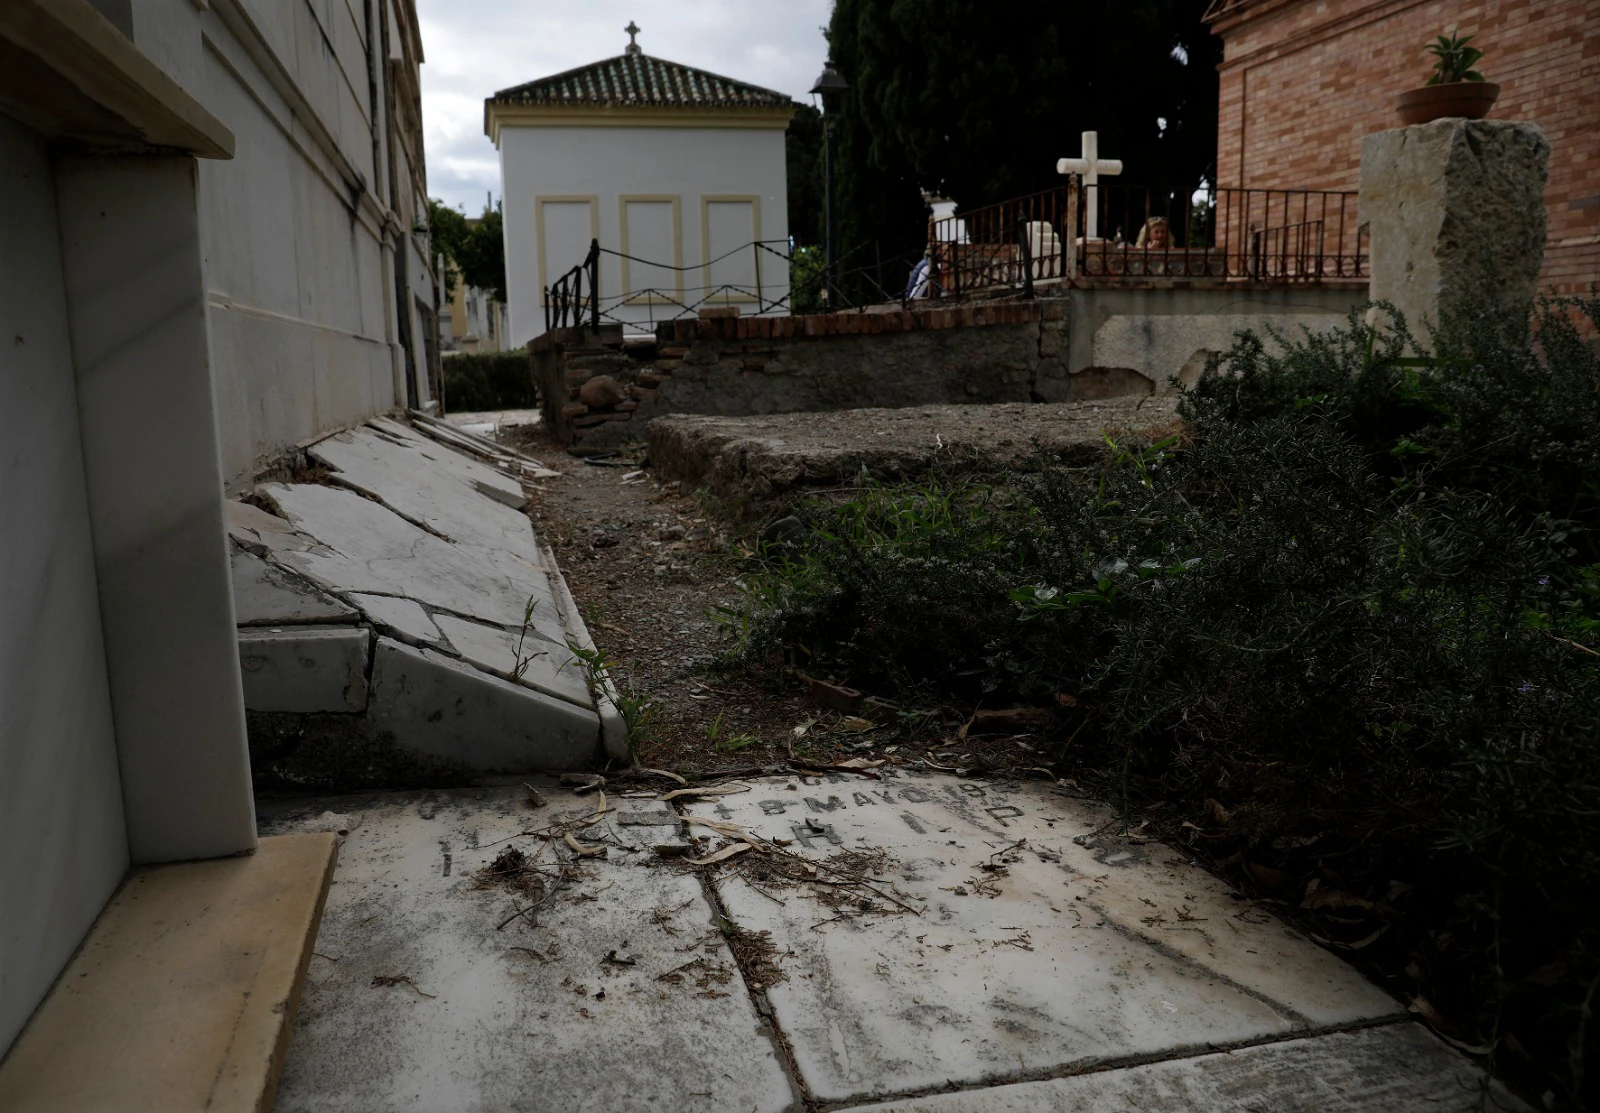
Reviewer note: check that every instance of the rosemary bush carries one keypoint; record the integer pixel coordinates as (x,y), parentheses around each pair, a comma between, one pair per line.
(1356,612)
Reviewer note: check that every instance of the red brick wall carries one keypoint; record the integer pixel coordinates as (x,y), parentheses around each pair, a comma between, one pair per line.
(1304,80)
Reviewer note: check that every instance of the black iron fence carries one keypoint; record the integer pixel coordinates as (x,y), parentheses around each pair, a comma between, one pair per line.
(1120,232)
(574,298)
(1069,233)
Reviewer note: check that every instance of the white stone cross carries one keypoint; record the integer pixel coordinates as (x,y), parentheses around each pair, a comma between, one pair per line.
(1091,166)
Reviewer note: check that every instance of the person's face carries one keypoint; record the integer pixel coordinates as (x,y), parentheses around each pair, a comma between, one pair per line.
(1158,235)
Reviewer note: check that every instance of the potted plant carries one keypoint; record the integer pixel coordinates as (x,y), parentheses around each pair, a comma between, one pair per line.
(1455,89)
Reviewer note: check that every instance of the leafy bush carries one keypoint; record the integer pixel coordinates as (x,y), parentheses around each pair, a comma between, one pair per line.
(807,270)
(1348,628)
(488,381)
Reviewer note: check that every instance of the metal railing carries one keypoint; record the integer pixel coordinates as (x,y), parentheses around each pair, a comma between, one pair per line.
(1277,236)
(575,295)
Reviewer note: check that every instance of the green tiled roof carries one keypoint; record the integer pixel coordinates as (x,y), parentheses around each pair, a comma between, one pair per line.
(643,81)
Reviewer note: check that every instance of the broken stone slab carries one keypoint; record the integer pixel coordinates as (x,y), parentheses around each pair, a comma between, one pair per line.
(441,707)
(1026,952)
(366,548)
(1373,1070)
(432,486)
(617,994)
(509,459)
(531,661)
(774,455)
(266,595)
(304,669)
(400,618)
(260,532)
(487,480)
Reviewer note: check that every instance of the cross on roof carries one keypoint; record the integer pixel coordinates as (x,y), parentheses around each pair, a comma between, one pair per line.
(1091,166)
(633,30)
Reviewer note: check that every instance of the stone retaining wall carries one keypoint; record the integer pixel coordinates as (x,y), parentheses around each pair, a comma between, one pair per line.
(597,389)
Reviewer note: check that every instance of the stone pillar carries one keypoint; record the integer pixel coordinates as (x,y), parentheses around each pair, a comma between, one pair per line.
(1455,211)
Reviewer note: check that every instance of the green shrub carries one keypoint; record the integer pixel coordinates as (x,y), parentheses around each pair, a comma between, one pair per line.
(1356,613)
(475,381)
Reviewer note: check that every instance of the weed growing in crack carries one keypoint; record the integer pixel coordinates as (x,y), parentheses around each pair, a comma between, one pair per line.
(599,670)
(521,662)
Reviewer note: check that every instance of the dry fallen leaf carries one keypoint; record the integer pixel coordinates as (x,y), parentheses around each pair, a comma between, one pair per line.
(856,724)
(722,855)
(731,829)
(666,774)
(707,790)
(1334,898)
(535,799)
(859,763)
(583,851)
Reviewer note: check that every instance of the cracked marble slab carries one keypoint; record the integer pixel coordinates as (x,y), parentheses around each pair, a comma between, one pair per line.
(432,485)
(1026,952)
(364,547)
(1373,1070)
(618,995)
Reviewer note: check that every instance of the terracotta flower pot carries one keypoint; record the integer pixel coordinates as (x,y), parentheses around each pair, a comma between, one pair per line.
(1469,99)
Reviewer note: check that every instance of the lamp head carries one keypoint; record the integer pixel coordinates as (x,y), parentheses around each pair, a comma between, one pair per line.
(830,81)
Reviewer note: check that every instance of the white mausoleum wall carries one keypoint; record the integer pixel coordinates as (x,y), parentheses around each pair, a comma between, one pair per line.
(675,178)
(63,842)
(301,284)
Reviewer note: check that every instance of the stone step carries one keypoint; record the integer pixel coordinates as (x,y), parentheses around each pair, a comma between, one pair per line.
(184,992)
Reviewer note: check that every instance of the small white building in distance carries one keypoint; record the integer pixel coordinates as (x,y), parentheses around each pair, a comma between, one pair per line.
(678,173)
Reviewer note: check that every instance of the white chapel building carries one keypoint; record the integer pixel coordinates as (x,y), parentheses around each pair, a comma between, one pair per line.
(679,174)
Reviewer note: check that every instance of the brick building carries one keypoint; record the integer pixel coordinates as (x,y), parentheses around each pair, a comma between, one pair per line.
(1304,80)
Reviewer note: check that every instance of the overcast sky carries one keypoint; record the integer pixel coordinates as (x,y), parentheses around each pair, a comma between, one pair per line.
(474,47)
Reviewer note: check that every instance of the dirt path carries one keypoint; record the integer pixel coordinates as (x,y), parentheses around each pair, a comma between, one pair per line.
(648,564)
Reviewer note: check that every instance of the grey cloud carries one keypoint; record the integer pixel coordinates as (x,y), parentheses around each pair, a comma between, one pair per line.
(474,47)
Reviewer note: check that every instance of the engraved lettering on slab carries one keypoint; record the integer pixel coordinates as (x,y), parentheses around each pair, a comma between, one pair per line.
(914,823)
(833,804)
(808,833)
(1003,813)
(861,799)
(916,795)
(773,807)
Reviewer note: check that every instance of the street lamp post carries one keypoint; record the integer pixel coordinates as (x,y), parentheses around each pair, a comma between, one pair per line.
(830,83)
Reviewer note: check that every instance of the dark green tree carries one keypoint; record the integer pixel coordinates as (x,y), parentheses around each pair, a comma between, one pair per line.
(483,260)
(449,231)
(803,148)
(977,101)
(475,247)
